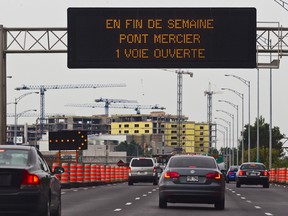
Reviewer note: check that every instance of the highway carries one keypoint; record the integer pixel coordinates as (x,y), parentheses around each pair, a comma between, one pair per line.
(142,199)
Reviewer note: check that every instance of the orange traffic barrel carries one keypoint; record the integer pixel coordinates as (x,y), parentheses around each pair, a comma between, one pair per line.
(108,174)
(98,173)
(286,176)
(113,178)
(87,173)
(93,173)
(65,175)
(122,174)
(79,172)
(126,173)
(282,175)
(73,173)
(54,165)
(117,174)
(102,173)
(272,175)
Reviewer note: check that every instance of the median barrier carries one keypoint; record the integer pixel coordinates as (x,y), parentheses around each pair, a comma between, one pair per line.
(87,174)
(79,174)
(65,176)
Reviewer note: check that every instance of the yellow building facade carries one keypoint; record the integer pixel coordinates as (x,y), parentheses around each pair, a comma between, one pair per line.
(202,138)
(133,128)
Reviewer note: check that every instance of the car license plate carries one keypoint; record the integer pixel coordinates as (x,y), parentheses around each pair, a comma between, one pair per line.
(142,173)
(192,178)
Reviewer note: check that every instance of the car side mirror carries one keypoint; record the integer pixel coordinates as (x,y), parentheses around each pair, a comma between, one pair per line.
(58,170)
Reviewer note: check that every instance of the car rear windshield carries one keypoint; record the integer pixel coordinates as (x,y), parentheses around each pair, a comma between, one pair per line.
(142,163)
(13,157)
(253,166)
(233,169)
(193,162)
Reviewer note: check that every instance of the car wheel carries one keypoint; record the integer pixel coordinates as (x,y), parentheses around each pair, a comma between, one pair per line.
(130,183)
(238,185)
(266,185)
(220,205)
(162,203)
(58,211)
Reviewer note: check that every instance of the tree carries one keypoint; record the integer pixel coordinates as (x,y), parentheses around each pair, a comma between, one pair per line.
(132,149)
(277,152)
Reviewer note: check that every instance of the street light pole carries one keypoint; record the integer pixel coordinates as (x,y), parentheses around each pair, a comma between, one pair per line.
(224,143)
(247,83)
(15,113)
(229,124)
(232,147)
(237,130)
(242,133)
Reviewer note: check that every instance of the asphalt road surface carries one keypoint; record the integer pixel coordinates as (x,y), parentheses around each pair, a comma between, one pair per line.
(142,199)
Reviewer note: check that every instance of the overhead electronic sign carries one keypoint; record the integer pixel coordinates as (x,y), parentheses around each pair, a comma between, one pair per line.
(161,37)
(68,140)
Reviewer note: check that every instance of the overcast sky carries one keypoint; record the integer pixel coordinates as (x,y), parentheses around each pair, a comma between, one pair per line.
(147,86)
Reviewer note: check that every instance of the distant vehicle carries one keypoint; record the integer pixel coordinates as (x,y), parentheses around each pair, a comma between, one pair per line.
(192,179)
(251,173)
(142,169)
(231,173)
(27,185)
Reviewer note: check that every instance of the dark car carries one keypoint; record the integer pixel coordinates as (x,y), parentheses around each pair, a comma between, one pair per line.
(231,173)
(251,173)
(192,179)
(27,185)
(142,169)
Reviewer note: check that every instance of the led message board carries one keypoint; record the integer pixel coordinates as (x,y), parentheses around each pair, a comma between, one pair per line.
(68,140)
(161,37)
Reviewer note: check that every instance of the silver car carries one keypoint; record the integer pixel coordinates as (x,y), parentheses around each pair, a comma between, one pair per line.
(192,179)
(142,169)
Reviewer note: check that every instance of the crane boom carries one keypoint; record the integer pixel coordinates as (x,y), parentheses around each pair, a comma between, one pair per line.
(43,88)
(136,107)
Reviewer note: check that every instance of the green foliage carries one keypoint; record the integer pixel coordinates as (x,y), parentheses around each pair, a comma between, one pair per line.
(132,149)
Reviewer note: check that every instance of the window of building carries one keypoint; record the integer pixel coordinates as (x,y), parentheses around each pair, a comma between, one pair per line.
(136,131)
(174,132)
(120,125)
(146,125)
(201,127)
(184,126)
(201,139)
(173,143)
(174,138)
(126,131)
(126,125)
(201,144)
(136,125)
(119,131)
(201,133)
(146,131)
(183,143)
(174,126)
(183,132)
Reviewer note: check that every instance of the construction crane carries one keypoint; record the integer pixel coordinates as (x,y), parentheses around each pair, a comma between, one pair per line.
(109,101)
(136,107)
(43,88)
(282,4)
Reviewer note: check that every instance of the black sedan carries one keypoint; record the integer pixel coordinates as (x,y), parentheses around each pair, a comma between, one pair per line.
(27,185)
(192,179)
(252,173)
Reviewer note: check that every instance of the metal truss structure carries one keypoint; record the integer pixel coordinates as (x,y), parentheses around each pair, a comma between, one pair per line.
(270,40)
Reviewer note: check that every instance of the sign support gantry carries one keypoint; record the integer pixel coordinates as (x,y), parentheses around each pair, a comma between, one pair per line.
(54,40)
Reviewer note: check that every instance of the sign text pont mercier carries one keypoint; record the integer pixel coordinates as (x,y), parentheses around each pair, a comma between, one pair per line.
(161,37)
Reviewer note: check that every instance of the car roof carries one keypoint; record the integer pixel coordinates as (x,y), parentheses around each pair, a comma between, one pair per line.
(252,163)
(16,147)
(187,155)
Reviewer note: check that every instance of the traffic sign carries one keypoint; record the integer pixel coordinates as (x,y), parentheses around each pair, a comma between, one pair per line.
(161,37)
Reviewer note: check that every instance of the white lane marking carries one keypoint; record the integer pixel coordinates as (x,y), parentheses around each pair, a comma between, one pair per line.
(154,190)
(243,198)
(137,198)
(266,213)
(149,192)
(233,191)
(63,193)
(257,207)
(129,203)
(144,195)
(93,187)
(75,190)
(238,194)
(85,188)
(249,201)
(157,188)
(117,210)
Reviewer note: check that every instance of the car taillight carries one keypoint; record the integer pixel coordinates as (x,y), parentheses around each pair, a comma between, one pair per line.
(241,173)
(265,173)
(214,175)
(154,170)
(169,175)
(129,169)
(29,179)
